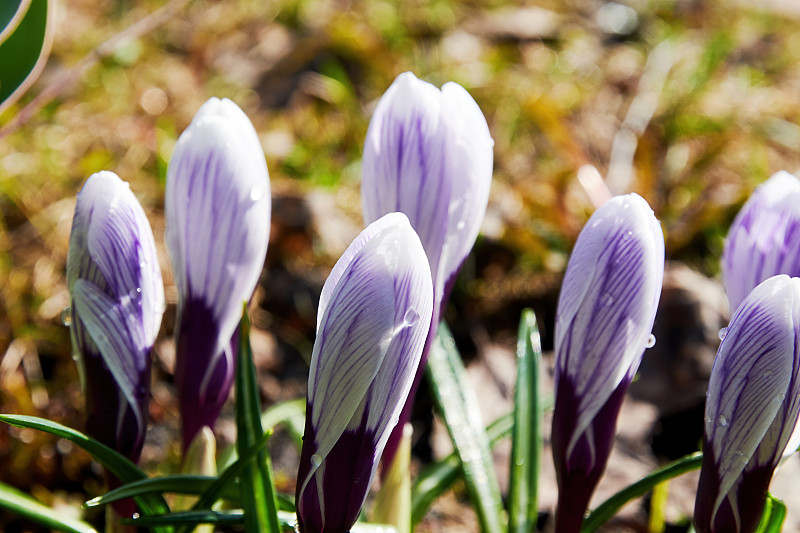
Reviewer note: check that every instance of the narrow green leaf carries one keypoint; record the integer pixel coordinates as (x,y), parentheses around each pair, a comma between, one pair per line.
(258,484)
(454,397)
(611,506)
(228,477)
(23,505)
(235,517)
(24,50)
(438,477)
(287,412)
(526,440)
(773,517)
(120,466)
(179,484)
(11,13)
(190,519)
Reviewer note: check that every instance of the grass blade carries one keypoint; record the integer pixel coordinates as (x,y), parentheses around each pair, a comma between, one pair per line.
(22,504)
(526,440)
(290,412)
(258,484)
(773,517)
(120,466)
(611,506)
(179,484)
(455,399)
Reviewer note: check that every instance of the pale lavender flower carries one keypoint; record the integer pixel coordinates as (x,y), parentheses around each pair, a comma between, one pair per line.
(373,318)
(604,318)
(217,206)
(764,239)
(117,299)
(752,408)
(428,154)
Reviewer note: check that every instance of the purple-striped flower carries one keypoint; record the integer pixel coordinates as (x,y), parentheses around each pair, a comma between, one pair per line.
(373,318)
(752,408)
(764,239)
(217,206)
(428,154)
(117,299)
(604,318)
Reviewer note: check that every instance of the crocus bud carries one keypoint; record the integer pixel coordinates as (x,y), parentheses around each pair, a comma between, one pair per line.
(604,318)
(752,408)
(428,154)
(764,239)
(373,318)
(117,299)
(217,206)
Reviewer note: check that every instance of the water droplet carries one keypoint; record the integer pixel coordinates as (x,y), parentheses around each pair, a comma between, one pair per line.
(651,341)
(66,316)
(257,192)
(606,299)
(135,516)
(630,233)
(461,224)
(316,460)
(139,290)
(722,421)
(767,374)
(708,419)
(722,333)
(411,317)
(76,357)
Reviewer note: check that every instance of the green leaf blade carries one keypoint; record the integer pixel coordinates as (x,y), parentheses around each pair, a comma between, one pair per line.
(611,506)
(526,438)
(258,484)
(120,466)
(459,407)
(23,505)
(24,49)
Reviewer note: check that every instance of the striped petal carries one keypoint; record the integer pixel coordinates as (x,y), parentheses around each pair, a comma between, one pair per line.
(604,318)
(428,154)
(764,239)
(607,303)
(374,317)
(752,407)
(117,301)
(217,206)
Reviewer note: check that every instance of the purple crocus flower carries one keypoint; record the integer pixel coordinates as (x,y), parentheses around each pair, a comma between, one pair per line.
(428,154)
(752,408)
(217,206)
(764,239)
(117,299)
(604,318)
(373,318)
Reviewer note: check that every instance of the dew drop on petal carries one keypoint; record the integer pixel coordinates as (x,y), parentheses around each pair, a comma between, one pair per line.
(316,460)
(767,374)
(606,299)
(66,316)
(139,289)
(722,333)
(410,317)
(722,421)
(651,341)
(461,224)
(257,192)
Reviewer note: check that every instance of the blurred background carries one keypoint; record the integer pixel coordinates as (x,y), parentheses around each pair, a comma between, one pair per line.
(690,103)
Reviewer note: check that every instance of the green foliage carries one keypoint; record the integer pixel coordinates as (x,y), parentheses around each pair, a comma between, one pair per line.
(459,408)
